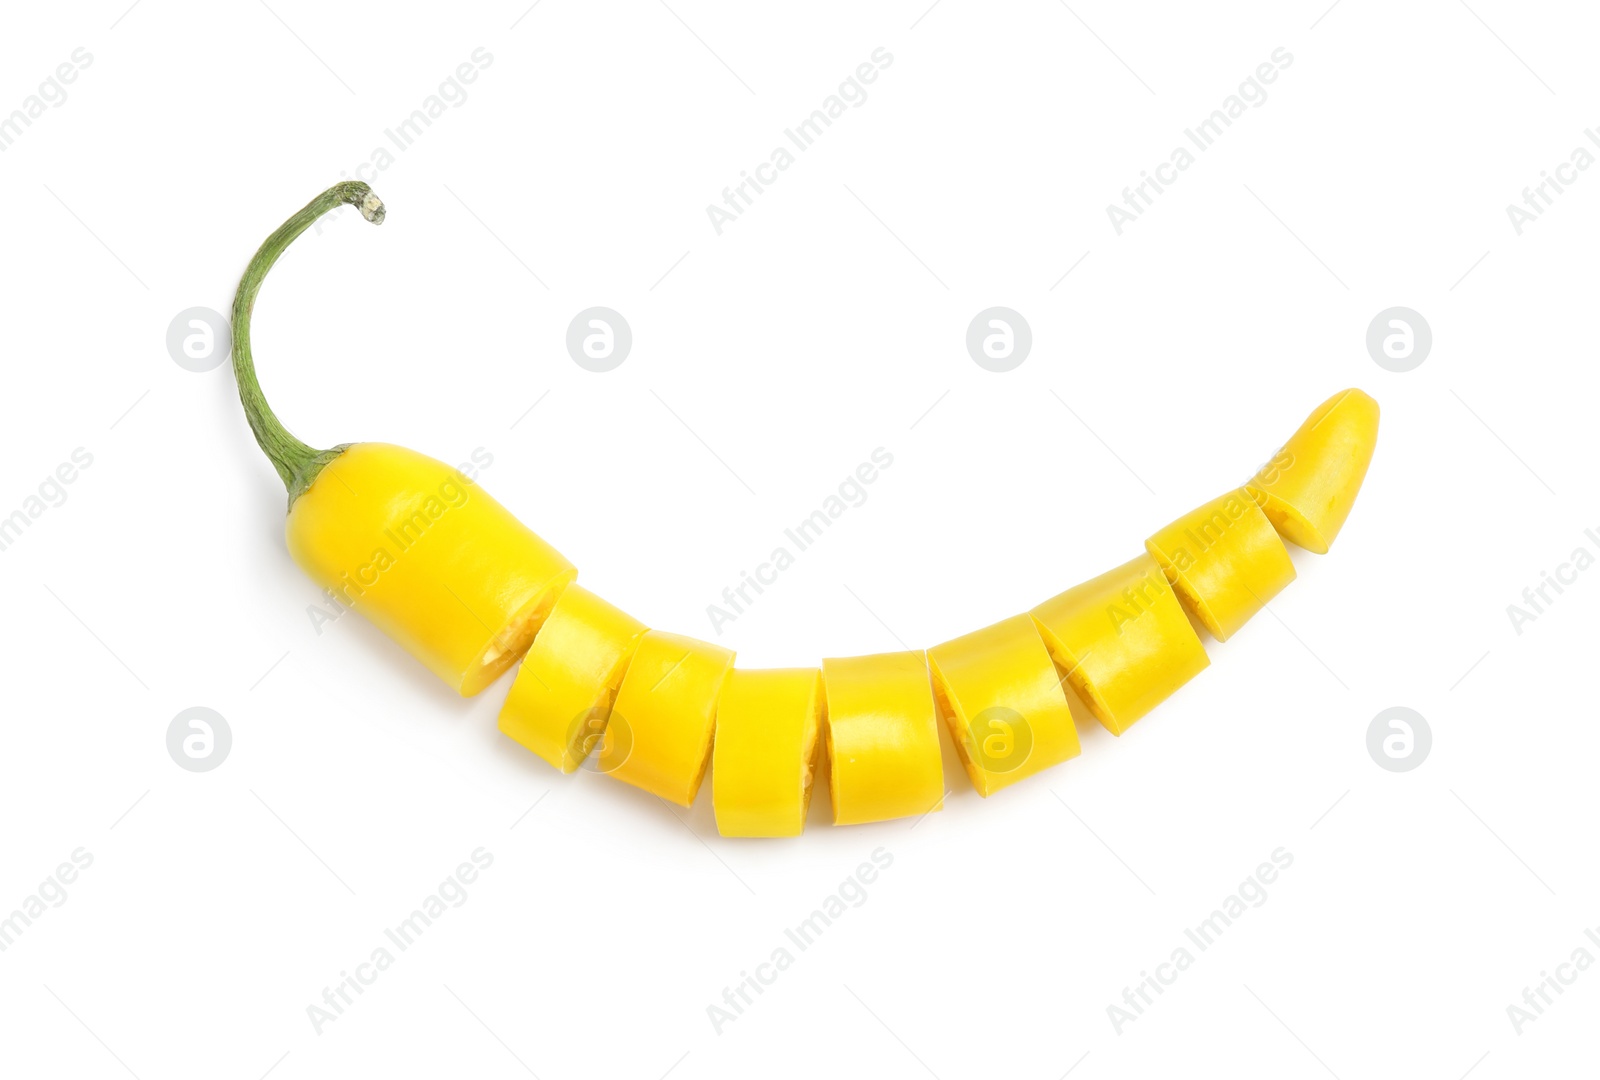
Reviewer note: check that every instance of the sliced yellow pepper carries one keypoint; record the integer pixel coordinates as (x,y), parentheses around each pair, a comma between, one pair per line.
(452,576)
(659,736)
(883,738)
(765,756)
(1309,486)
(1225,561)
(562,696)
(1003,703)
(407,541)
(1123,640)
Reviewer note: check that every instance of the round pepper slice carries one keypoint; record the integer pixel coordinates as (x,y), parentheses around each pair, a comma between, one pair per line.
(562,696)
(883,738)
(1123,640)
(659,736)
(1002,700)
(1225,561)
(765,756)
(1309,486)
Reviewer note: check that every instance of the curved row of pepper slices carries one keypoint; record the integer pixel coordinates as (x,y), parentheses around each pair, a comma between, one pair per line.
(599,689)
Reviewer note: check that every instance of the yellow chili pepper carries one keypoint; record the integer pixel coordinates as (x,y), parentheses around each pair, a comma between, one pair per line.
(659,737)
(1225,561)
(412,544)
(562,696)
(1309,486)
(883,738)
(1003,702)
(765,757)
(1123,640)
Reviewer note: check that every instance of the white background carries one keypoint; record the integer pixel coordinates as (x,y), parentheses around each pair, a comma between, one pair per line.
(768,362)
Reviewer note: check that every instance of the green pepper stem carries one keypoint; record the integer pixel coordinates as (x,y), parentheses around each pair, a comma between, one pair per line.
(297,463)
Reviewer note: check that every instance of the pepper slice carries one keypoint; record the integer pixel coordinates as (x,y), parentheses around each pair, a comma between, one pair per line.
(1225,561)
(407,541)
(659,737)
(883,738)
(765,756)
(1123,640)
(1309,486)
(562,696)
(429,557)
(1002,700)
